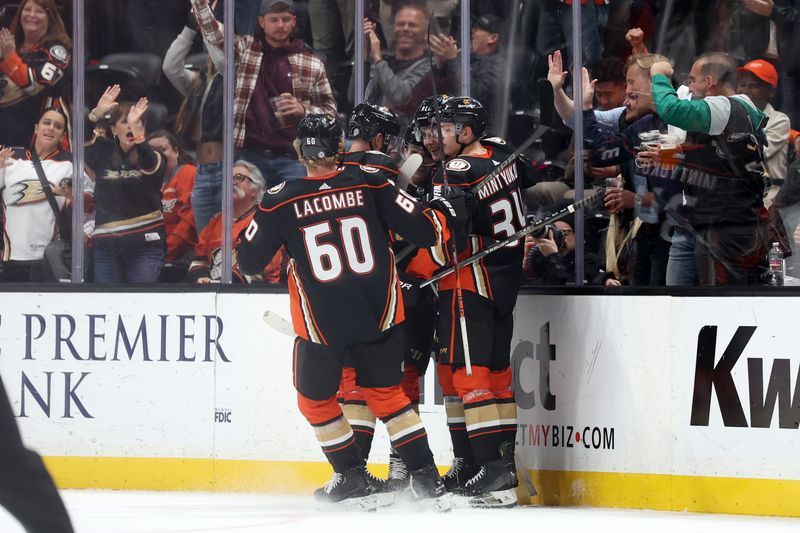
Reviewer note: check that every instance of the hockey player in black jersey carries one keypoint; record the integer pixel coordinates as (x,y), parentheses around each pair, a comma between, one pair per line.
(370,129)
(373,130)
(346,302)
(480,407)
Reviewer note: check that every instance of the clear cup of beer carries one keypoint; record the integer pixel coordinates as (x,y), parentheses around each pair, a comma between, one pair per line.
(668,150)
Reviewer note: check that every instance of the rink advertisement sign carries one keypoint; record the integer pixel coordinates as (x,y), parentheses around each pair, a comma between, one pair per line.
(653,402)
(164,376)
(654,393)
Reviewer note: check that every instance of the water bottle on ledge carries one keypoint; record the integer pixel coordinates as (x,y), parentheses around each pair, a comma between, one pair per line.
(777,266)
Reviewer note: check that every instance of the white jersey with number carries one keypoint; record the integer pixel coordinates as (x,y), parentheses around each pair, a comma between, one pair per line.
(29,222)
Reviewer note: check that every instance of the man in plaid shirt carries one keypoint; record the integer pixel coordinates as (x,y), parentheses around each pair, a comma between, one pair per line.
(278,82)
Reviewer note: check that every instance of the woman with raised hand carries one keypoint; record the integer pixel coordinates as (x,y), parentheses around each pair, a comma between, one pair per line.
(129,240)
(35,56)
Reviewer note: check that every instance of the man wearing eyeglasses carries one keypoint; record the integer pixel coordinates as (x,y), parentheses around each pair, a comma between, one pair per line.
(206,267)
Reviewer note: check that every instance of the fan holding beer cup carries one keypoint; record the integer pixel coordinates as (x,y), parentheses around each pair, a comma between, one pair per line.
(658,149)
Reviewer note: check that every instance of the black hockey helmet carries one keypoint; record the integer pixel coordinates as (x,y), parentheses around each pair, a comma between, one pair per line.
(319,136)
(426,112)
(464,111)
(367,120)
(410,137)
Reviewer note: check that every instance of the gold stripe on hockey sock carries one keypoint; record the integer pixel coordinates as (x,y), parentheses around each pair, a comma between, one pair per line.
(333,434)
(481,417)
(508,413)
(359,415)
(404,425)
(454,408)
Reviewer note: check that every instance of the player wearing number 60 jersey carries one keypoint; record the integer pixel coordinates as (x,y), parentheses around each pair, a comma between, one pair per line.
(346,302)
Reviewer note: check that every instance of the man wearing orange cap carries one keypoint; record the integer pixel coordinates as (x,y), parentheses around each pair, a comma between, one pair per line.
(758,79)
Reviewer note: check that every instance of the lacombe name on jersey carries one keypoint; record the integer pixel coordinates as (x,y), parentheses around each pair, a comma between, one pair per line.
(506,177)
(328,202)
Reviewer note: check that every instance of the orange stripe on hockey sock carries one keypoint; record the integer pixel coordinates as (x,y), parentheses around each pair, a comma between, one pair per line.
(482,433)
(412,439)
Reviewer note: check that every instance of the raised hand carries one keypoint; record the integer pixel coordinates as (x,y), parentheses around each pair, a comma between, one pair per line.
(588,89)
(7,44)
(635,36)
(444,48)
(373,43)
(661,67)
(137,111)
(556,74)
(107,101)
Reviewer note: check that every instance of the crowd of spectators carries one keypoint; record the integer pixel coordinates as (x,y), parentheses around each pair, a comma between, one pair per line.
(296,57)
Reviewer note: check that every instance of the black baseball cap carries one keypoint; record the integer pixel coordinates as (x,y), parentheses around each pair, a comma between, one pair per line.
(276,6)
(490,23)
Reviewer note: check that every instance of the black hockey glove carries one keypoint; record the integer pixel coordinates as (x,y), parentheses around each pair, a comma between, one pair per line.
(452,202)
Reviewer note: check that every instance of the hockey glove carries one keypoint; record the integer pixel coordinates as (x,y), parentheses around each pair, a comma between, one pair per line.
(452,203)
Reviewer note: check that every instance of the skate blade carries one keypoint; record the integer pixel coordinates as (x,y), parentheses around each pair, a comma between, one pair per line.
(363,503)
(498,499)
(442,504)
(408,501)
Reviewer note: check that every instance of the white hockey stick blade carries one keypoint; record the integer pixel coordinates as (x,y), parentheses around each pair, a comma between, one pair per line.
(278,323)
(408,169)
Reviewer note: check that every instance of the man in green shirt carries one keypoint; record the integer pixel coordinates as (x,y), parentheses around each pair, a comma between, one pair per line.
(721,168)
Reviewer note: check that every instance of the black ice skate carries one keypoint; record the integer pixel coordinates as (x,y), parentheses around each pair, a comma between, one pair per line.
(493,486)
(428,490)
(354,489)
(398,473)
(461,470)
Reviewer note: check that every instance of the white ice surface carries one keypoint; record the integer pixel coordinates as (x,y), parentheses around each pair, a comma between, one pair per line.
(161,512)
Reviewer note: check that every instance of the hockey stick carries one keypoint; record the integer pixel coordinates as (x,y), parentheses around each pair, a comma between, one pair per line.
(278,323)
(462,319)
(545,124)
(596,197)
(407,170)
